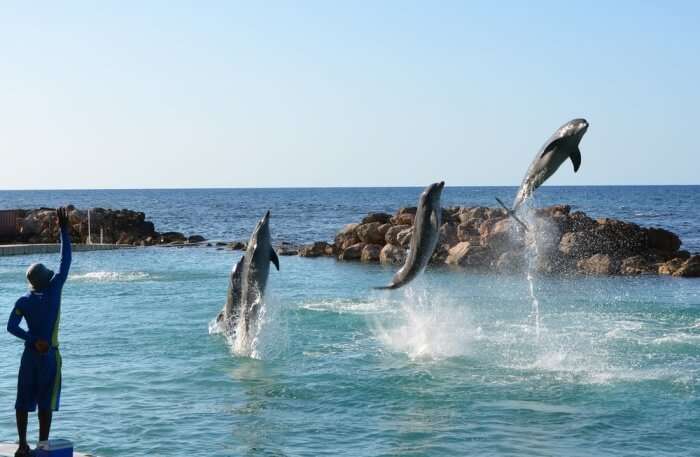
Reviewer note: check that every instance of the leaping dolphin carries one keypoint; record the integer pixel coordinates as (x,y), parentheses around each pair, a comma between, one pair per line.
(562,145)
(249,277)
(426,228)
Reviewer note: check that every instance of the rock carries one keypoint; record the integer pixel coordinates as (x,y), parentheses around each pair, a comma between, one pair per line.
(511,262)
(317,249)
(392,255)
(635,265)
(469,229)
(662,240)
(370,233)
(370,253)
(286,249)
(497,235)
(478,212)
(347,236)
(440,254)
(670,267)
(403,219)
(552,211)
(331,250)
(690,268)
(404,237)
(467,255)
(353,252)
(392,234)
(220,243)
(236,246)
(195,239)
(382,218)
(598,264)
(448,234)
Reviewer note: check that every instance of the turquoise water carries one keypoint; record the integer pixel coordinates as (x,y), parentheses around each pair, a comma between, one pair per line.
(450,366)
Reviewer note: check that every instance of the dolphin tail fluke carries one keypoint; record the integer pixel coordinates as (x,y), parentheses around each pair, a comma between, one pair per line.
(511,213)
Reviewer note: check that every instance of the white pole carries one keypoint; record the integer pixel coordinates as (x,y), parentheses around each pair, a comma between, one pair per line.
(102,236)
(89,237)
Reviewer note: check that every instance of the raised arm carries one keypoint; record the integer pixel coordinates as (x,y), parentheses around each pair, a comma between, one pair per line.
(13,325)
(66,255)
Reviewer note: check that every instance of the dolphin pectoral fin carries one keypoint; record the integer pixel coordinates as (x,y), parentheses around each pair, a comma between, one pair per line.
(550,147)
(274,259)
(511,213)
(576,158)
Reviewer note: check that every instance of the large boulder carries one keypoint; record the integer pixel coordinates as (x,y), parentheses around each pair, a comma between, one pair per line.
(469,229)
(403,219)
(370,253)
(598,264)
(662,240)
(448,234)
(690,268)
(392,255)
(478,212)
(168,237)
(404,237)
(511,262)
(347,237)
(671,266)
(382,218)
(497,235)
(370,233)
(636,265)
(316,249)
(392,233)
(465,254)
(353,252)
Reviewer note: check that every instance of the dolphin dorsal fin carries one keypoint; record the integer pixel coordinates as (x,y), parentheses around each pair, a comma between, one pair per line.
(576,158)
(274,259)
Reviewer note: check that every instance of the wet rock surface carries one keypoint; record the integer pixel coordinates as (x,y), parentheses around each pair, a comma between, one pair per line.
(558,242)
(122,226)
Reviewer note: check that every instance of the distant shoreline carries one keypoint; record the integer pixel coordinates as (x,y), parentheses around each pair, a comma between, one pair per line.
(416,186)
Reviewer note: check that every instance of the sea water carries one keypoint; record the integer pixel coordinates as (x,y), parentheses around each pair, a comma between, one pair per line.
(450,365)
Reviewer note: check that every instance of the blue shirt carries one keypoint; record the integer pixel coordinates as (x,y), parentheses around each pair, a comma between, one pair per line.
(41,310)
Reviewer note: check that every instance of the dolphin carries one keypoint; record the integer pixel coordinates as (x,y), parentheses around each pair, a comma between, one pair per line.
(249,277)
(426,228)
(562,145)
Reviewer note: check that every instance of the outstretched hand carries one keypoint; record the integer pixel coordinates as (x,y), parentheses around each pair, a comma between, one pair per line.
(62,214)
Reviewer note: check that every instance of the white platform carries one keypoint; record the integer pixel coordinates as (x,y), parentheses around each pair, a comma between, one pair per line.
(30,249)
(8,450)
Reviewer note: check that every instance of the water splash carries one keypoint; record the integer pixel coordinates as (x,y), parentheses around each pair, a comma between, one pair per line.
(266,338)
(427,326)
(532,255)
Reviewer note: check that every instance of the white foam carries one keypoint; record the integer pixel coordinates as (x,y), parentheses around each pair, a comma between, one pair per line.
(349,307)
(112,276)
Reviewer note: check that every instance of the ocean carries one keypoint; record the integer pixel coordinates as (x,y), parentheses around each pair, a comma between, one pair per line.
(457,363)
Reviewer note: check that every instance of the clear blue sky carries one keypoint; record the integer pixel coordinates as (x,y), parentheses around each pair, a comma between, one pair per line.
(270,94)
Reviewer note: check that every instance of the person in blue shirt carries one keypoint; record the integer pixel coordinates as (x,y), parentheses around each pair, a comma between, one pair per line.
(39,379)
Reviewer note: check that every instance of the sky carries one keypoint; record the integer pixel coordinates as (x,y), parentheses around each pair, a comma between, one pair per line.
(357,93)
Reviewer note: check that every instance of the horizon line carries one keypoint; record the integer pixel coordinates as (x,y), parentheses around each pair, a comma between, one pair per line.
(331,187)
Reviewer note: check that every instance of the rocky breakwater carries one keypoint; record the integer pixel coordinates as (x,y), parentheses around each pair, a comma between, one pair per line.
(559,242)
(106,225)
